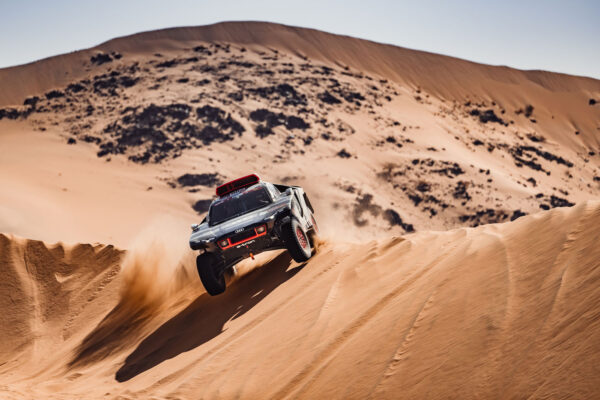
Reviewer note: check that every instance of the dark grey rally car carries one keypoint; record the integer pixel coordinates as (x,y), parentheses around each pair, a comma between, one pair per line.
(250,216)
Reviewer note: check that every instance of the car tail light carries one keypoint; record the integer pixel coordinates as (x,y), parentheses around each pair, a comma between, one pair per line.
(261,229)
(224,243)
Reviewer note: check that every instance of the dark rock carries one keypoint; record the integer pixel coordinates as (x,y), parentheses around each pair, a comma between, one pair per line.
(54,94)
(168,63)
(236,96)
(520,153)
(534,138)
(206,179)
(487,116)
(328,98)
(343,154)
(271,120)
(528,110)
(75,88)
(9,113)
(460,191)
(517,214)
(556,201)
(202,50)
(353,97)
(31,101)
(101,58)
(108,84)
(423,187)
(202,206)
(285,91)
(487,216)
(395,220)
(415,198)
(296,123)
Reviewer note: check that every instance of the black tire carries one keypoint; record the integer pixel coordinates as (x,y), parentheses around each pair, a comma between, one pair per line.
(211,273)
(296,241)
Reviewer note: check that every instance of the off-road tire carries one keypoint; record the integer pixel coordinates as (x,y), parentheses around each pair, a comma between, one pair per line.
(296,241)
(211,273)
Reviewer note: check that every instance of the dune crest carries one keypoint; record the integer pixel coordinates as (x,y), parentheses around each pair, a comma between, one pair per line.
(505,310)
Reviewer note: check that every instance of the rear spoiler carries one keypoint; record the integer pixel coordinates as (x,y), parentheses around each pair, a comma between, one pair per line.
(236,184)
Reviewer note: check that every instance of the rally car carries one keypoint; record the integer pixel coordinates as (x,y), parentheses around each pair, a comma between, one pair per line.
(250,216)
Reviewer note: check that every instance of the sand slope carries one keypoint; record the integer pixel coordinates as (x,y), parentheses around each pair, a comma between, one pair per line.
(507,310)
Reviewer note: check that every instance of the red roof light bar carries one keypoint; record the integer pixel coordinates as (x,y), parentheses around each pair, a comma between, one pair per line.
(239,183)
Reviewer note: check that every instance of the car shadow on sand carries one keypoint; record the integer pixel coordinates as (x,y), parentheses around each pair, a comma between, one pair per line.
(206,316)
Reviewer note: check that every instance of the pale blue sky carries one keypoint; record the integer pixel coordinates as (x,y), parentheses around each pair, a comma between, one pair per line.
(554,35)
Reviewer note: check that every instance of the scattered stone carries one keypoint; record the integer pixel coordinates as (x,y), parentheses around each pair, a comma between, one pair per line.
(517,214)
(534,138)
(487,116)
(556,201)
(328,98)
(101,58)
(206,179)
(395,220)
(271,120)
(31,101)
(343,154)
(202,206)
(285,91)
(423,187)
(54,94)
(460,191)
(487,216)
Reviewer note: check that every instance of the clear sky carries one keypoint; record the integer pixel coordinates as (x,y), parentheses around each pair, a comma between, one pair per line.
(554,35)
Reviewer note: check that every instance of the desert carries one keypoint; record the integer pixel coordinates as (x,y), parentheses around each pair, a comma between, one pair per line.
(458,204)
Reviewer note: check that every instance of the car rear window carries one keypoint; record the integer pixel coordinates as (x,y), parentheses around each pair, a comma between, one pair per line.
(238,203)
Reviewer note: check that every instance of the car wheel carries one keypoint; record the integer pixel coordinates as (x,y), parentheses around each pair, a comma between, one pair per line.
(211,273)
(297,241)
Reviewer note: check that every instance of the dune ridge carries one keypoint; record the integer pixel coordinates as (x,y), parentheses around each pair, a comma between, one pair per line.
(503,310)
(443,76)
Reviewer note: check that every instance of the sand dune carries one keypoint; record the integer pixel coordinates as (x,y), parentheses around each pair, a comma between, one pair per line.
(508,310)
(458,204)
(160,117)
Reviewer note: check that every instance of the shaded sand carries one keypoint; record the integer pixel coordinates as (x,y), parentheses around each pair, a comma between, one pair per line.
(507,310)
